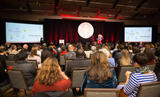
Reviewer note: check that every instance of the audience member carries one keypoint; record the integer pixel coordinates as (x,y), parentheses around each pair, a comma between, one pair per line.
(125,58)
(150,55)
(71,53)
(50,77)
(63,50)
(23,53)
(142,74)
(29,69)
(13,50)
(3,57)
(99,74)
(46,52)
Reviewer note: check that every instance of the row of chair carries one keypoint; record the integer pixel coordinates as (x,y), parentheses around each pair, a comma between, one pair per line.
(145,90)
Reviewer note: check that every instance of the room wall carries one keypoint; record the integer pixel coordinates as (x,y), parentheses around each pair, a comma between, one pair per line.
(41,16)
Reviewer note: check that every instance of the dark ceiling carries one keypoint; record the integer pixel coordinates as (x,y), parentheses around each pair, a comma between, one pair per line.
(110,9)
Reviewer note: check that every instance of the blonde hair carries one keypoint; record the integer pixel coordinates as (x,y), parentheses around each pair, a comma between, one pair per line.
(99,69)
(33,52)
(49,72)
(125,58)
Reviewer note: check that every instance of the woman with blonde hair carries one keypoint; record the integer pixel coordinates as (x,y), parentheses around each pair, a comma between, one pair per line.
(99,74)
(50,77)
(125,58)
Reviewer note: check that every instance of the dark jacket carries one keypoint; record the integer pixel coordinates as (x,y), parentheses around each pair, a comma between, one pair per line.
(29,70)
(110,83)
(3,61)
(3,75)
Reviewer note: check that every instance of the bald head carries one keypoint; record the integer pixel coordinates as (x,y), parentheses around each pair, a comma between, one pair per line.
(25,46)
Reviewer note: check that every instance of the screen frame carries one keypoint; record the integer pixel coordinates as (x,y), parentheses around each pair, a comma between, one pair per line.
(23,22)
(154,32)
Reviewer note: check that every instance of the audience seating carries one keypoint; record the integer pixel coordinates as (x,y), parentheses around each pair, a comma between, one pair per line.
(4,88)
(62,60)
(152,67)
(101,92)
(10,63)
(10,57)
(17,80)
(33,62)
(77,77)
(121,72)
(149,90)
(76,64)
(53,94)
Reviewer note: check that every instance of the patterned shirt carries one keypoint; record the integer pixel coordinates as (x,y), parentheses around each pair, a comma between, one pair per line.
(135,80)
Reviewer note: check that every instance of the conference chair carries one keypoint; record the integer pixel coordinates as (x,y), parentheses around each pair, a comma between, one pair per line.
(17,80)
(149,90)
(10,57)
(4,88)
(10,63)
(101,92)
(121,72)
(34,62)
(152,67)
(62,60)
(53,94)
(76,63)
(77,76)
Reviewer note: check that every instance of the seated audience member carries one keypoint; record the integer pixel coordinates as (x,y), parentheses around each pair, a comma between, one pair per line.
(23,53)
(105,49)
(87,50)
(99,74)
(151,56)
(111,61)
(33,55)
(116,54)
(142,74)
(29,69)
(3,57)
(13,50)
(50,77)
(78,62)
(46,52)
(63,50)
(125,58)
(71,53)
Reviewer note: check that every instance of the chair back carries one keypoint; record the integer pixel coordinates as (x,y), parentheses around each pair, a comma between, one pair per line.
(77,77)
(152,67)
(10,57)
(77,63)
(34,62)
(101,92)
(10,63)
(149,90)
(17,79)
(62,60)
(121,72)
(53,94)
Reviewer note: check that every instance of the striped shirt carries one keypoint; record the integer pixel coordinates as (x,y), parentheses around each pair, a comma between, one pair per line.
(135,80)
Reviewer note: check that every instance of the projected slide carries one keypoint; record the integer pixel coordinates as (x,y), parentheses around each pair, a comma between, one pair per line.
(138,34)
(23,33)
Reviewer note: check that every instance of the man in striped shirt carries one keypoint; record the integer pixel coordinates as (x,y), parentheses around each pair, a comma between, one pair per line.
(141,75)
